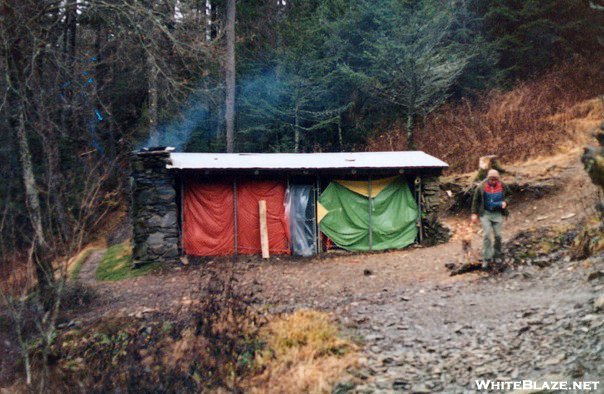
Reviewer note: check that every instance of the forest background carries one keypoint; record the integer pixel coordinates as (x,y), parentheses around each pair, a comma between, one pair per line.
(86,82)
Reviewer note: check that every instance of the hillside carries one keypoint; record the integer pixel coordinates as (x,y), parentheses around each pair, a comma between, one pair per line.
(533,120)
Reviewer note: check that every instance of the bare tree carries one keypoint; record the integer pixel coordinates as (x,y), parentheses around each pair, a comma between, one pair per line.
(152,90)
(230,75)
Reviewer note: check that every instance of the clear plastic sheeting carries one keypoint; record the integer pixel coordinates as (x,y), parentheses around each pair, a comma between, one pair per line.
(300,208)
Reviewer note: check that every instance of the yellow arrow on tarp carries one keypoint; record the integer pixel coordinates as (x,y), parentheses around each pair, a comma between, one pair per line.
(321,212)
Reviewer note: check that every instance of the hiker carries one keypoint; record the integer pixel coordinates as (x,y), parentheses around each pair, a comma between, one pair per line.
(490,203)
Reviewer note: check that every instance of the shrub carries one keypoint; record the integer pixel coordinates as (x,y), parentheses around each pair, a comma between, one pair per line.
(76,295)
(210,348)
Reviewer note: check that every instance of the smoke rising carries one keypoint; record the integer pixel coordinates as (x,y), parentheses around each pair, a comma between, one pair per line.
(259,105)
(177,131)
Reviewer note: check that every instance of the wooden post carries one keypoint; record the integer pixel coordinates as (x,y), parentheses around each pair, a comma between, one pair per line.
(263,229)
(369,211)
(288,195)
(485,162)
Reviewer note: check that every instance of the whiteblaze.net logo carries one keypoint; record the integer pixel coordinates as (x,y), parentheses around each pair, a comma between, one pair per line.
(535,385)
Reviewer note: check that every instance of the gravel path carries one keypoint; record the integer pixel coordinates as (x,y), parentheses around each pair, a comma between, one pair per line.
(525,324)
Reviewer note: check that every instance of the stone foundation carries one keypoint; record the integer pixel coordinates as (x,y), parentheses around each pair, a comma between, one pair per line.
(153,210)
(433,230)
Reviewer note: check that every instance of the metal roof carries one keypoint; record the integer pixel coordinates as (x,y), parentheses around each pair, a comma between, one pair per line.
(275,161)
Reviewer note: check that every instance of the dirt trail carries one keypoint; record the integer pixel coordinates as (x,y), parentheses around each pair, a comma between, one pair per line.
(88,270)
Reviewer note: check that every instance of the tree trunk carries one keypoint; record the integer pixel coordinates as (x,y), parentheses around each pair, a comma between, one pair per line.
(44,272)
(69,51)
(297,129)
(340,138)
(410,132)
(208,19)
(230,75)
(54,179)
(100,73)
(152,92)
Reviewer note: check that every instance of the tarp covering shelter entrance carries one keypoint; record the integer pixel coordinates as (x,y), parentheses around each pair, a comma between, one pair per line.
(249,193)
(352,225)
(300,209)
(208,226)
(208,219)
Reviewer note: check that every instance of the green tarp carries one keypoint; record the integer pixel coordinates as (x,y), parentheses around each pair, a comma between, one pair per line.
(393,217)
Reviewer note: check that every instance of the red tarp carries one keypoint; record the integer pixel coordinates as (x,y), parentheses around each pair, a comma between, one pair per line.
(208,218)
(248,220)
(207,227)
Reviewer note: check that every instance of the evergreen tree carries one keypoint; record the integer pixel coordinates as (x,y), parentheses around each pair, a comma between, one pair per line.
(533,35)
(410,63)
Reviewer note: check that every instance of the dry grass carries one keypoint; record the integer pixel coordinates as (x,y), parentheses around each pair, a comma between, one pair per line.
(304,354)
(17,272)
(298,353)
(538,117)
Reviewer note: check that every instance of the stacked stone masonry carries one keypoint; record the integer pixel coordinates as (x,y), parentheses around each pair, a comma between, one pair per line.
(434,231)
(154,212)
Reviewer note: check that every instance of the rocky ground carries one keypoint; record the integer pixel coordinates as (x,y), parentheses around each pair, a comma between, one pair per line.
(529,323)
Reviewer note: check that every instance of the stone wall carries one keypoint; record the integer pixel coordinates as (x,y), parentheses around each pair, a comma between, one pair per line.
(433,230)
(153,209)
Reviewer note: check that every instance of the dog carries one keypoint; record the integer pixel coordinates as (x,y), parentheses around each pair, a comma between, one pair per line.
(469,255)
(470,260)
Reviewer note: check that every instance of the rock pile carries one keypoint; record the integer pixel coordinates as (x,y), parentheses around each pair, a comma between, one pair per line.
(541,246)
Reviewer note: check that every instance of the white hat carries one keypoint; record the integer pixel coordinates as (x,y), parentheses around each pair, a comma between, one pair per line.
(493,174)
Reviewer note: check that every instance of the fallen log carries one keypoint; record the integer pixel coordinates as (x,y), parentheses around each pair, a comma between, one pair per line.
(463,192)
(459,190)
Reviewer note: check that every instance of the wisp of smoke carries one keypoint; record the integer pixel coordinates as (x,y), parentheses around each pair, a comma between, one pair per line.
(177,132)
(258,103)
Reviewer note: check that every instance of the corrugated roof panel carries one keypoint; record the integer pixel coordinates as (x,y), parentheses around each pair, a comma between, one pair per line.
(275,161)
